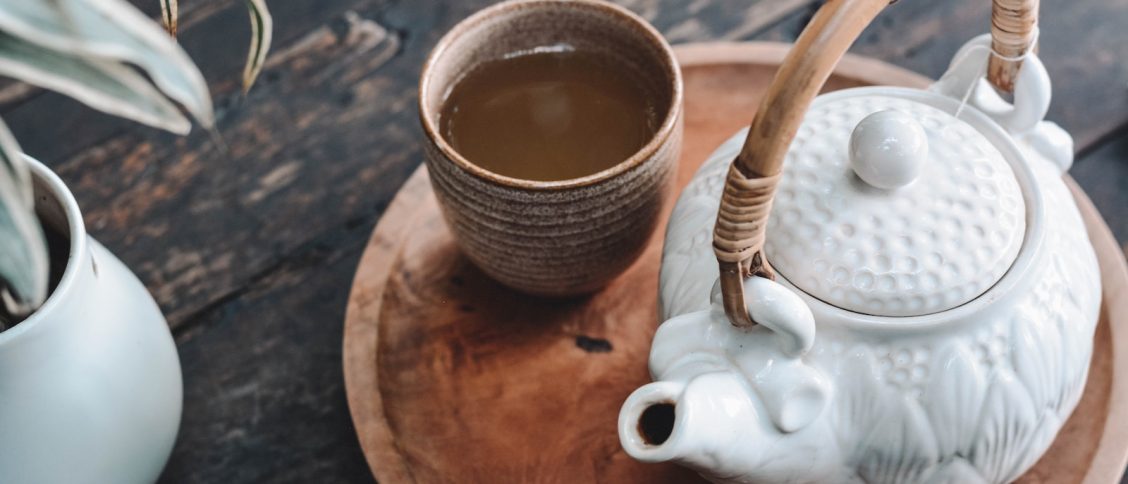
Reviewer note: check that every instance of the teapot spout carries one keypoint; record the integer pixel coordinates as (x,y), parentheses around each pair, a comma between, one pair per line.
(700,423)
(715,424)
(649,424)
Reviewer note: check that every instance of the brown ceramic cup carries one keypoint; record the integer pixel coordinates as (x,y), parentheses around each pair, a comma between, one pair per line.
(564,237)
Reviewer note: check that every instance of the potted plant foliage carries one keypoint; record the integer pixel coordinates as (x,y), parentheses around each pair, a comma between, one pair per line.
(90,385)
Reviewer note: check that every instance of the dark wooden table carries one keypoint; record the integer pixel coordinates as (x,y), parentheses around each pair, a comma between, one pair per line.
(251,252)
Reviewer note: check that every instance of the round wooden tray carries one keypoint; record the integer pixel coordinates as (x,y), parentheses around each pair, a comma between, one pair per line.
(451,377)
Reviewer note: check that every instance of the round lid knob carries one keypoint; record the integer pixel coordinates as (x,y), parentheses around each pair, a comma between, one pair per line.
(893,207)
(888,149)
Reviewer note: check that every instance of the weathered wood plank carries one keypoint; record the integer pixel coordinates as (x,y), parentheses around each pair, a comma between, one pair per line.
(1103,173)
(1082,44)
(698,20)
(264,395)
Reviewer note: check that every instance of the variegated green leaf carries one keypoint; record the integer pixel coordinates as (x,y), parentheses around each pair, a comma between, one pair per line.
(169,13)
(262,31)
(104,32)
(14,174)
(23,250)
(102,84)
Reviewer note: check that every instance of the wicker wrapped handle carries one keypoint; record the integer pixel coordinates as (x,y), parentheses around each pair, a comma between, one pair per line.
(739,234)
(1014,31)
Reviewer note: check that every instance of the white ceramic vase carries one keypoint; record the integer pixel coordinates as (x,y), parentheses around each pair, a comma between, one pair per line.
(90,384)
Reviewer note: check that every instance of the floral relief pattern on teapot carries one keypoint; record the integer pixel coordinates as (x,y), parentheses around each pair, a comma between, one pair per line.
(975,392)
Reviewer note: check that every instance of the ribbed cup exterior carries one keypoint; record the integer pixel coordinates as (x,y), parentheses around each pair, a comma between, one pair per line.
(558,242)
(562,237)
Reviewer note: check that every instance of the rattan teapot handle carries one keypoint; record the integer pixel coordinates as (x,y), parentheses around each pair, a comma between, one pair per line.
(739,234)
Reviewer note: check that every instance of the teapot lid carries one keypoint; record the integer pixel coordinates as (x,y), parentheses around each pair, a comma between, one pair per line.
(891,207)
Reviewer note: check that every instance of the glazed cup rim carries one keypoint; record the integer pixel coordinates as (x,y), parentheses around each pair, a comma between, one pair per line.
(54,186)
(660,138)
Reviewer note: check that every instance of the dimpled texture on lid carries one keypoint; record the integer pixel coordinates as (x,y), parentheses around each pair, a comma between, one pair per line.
(926,247)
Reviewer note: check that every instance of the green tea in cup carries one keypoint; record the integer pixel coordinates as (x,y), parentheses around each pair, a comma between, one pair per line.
(551,114)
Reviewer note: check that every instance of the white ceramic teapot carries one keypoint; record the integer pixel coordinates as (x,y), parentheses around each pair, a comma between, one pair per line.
(929,309)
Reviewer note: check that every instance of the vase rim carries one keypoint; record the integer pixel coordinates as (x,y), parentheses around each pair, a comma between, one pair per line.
(47,183)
